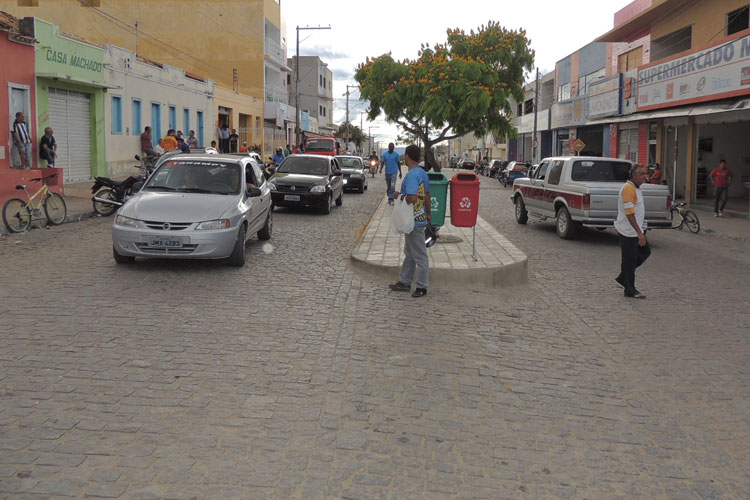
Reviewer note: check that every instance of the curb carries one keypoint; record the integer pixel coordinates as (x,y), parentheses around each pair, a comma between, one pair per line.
(68,219)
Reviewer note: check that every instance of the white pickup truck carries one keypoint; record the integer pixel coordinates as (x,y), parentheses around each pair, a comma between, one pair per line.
(582,191)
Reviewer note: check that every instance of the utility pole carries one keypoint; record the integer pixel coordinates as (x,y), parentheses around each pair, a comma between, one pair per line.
(535,144)
(296,82)
(347,112)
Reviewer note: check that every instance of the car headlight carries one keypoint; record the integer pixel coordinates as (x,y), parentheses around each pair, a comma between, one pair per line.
(272,186)
(214,224)
(121,220)
(320,188)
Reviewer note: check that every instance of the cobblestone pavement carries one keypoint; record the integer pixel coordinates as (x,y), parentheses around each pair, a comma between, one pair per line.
(296,377)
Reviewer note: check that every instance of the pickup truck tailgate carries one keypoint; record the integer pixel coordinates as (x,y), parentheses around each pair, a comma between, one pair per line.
(604,197)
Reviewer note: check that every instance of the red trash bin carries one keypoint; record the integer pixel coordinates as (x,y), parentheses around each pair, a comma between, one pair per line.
(464,200)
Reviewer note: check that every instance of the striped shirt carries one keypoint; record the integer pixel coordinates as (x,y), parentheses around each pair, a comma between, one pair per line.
(22,131)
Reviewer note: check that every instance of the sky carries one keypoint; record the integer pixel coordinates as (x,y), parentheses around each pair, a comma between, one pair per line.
(361,29)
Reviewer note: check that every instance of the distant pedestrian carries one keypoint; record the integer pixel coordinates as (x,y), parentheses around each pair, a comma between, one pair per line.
(213,144)
(182,145)
(178,135)
(193,140)
(392,162)
(416,190)
(630,226)
(243,148)
(22,140)
(721,178)
(48,147)
(233,140)
(656,175)
(147,143)
(169,142)
(224,138)
(287,151)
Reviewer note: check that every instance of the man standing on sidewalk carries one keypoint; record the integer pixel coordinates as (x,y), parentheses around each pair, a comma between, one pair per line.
(22,140)
(721,178)
(630,224)
(392,162)
(416,188)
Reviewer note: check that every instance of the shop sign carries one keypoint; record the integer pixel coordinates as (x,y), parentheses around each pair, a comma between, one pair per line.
(569,113)
(71,59)
(604,97)
(714,73)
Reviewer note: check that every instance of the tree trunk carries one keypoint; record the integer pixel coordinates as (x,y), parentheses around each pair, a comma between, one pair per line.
(429,158)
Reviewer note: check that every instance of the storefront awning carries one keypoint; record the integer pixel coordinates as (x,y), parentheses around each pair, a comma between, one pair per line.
(707,109)
(79,81)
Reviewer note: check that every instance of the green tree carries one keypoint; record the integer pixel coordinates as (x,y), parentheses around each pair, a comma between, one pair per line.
(355,134)
(451,89)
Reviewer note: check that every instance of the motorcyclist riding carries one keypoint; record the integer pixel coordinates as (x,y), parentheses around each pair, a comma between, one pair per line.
(278,157)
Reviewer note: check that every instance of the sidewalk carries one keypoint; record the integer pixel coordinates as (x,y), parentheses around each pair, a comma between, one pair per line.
(730,226)
(499,264)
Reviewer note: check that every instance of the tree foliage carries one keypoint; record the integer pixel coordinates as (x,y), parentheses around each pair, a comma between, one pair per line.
(463,85)
(355,134)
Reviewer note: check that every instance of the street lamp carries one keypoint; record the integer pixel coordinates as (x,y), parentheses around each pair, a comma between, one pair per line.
(296,81)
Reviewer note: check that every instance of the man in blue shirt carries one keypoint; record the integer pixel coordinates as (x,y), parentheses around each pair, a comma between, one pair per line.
(416,189)
(392,162)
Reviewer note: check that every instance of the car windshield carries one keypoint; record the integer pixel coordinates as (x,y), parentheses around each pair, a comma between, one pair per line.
(349,162)
(195,176)
(304,165)
(600,171)
(313,145)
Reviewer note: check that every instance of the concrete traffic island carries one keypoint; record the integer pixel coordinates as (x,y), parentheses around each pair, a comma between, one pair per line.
(499,263)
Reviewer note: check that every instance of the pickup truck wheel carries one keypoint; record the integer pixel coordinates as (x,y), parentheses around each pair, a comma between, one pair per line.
(564,224)
(522,216)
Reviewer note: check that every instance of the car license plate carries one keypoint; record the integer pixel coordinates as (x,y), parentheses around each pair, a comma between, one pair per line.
(291,197)
(345,181)
(164,241)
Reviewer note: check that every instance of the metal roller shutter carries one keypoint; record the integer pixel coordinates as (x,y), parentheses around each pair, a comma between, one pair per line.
(70,118)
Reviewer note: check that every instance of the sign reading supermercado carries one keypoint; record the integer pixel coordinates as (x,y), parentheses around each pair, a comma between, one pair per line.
(714,73)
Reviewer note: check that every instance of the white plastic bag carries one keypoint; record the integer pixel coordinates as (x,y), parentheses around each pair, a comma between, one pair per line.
(403,216)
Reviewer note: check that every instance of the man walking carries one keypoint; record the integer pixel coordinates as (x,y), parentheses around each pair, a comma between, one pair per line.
(721,178)
(630,226)
(22,140)
(416,189)
(392,162)
(48,147)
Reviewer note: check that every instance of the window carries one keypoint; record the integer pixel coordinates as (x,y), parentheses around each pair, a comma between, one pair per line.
(555,172)
(321,80)
(586,80)
(288,79)
(600,171)
(528,107)
(673,43)
(116,114)
(738,20)
(199,132)
(172,117)
(186,121)
(630,60)
(136,117)
(519,109)
(542,172)
(563,92)
(324,82)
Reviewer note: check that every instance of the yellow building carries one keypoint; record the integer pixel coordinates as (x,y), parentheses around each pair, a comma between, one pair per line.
(232,42)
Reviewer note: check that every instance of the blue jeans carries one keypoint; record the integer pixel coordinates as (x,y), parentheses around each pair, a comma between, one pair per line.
(390,181)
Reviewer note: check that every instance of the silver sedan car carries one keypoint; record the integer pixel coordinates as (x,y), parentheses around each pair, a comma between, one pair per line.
(195,207)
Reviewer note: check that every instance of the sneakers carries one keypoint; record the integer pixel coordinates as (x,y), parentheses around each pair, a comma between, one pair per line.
(716,214)
(399,287)
(390,202)
(721,214)
(419,292)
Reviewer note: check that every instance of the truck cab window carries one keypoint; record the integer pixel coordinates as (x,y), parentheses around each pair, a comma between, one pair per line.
(555,172)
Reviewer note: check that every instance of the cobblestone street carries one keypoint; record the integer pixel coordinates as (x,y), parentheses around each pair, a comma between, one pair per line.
(299,377)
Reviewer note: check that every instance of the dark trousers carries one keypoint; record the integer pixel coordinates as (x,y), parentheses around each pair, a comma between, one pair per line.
(224,145)
(633,255)
(46,154)
(720,198)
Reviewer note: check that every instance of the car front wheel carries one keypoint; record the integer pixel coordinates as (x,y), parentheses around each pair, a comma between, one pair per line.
(522,216)
(237,258)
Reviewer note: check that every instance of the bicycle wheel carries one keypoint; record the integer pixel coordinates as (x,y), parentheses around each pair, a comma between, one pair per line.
(105,209)
(16,215)
(691,221)
(55,209)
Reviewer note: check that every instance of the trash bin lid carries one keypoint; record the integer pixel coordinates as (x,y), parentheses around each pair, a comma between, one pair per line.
(464,178)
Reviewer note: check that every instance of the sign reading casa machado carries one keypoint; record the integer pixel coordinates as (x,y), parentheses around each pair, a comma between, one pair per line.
(717,72)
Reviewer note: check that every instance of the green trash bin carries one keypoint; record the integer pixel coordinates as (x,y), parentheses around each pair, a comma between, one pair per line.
(439,195)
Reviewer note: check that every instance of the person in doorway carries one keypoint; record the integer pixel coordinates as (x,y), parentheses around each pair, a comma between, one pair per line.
(630,226)
(22,140)
(233,140)
(169,142)
(147,144)
(192,141)
(416,190)
(721,178)
(48,147)
(224,138)
(392,162)
(656,175)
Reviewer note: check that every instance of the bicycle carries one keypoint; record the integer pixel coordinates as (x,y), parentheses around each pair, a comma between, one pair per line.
(687,217)
(17,214)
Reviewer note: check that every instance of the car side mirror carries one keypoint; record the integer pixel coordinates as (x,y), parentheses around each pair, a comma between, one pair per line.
(254,192)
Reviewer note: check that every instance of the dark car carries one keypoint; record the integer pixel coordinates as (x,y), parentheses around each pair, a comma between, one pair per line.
(354,171)
(308,180)
(468,165)
(514,170)
(495,167)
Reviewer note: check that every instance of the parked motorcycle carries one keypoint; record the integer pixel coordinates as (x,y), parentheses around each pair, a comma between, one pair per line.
(109,195)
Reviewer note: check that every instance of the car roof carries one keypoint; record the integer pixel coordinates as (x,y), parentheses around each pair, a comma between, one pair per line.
(210,157)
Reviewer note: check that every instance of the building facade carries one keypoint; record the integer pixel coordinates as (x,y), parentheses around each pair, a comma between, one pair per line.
(315,91)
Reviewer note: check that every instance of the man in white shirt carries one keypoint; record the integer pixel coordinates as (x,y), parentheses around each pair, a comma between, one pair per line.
(630,225)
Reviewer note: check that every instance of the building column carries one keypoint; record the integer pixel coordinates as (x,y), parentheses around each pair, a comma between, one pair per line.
(660,142)
(690,162)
